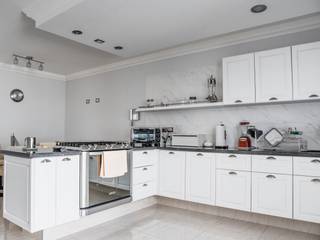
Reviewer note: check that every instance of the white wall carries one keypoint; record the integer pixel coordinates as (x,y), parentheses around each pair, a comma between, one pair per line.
(174,79)
(42,112)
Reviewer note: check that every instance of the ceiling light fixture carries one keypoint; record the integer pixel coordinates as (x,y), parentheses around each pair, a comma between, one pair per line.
(77,32)
(259,8)
(28,61)
(118,47)
(100,41)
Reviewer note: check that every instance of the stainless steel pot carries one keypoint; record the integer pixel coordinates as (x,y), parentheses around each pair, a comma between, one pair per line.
(30,142)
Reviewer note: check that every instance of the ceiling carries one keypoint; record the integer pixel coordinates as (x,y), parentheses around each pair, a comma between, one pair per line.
(144,26)
(62,56)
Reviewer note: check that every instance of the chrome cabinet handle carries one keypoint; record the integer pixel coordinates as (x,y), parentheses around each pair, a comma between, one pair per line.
(271,158)
(313,96)
(145,185)
(232,173)
(273,99)
(232,156)
(315,180)
(66,160)
(144,169)
(45,161)
(145,153)
(199,154)
(171,152)
(271,176)
(238,101)
(315,161)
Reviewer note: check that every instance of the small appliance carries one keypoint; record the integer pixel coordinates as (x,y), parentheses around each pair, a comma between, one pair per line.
(244,142)
(145,137)
(187,140)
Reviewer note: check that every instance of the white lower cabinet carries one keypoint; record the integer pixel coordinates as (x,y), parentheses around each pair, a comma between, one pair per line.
(172,169)
(272,194)
(200,177)
(144,173)
(307,198)
(41,192)
(233,189)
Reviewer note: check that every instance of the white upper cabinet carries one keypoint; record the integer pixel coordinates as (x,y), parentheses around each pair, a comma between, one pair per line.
(273,75)
(200,177)
(306,71)
(238,79)
(172,174)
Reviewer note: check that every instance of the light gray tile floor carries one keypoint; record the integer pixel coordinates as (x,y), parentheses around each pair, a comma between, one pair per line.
(166,223)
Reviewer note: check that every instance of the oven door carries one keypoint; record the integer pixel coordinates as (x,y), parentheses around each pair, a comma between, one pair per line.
(143,135)
(97,192)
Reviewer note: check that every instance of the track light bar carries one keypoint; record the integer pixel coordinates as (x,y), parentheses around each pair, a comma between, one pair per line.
(28,61)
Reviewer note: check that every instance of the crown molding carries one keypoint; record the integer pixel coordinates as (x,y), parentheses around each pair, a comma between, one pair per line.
(267,31)
(31,72)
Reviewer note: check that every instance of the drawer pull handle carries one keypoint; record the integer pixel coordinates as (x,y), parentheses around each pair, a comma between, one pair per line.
(273,99)
(145,185)
(145,153)
(199,154)
(315,161)
(313,96)
(271,176)
(315,180)
(238,101)
(232,173)
(232,156)
(271,158)
(145,169)
(45,161)
(171,152)
(66,159)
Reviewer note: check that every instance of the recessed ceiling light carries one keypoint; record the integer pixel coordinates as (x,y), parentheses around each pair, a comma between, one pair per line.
(118,47)
(100,41)
(259,8)
(77,32)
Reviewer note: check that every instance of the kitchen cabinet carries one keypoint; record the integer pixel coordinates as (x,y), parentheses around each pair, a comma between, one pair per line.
(272,164)
(233,189)
(41,192)
(307,198)
(200,177)
(241,162)
(67,189)
(273,75)
(306,71)
(172,169)
(238,79)
(272,194)
(144,173)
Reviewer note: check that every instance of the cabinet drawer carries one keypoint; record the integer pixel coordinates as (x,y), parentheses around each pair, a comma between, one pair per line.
(143,190)
(272,164)
(143,158)
(143,174)
(272,194)
(306,166)
(232,161)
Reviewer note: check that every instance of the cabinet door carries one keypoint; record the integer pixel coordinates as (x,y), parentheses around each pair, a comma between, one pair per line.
(238,79)
(307,199)
(233,189)
(306,71)
(172,174)
(273,75)
(272,194)
(43,189)
(200,177)
(67,189)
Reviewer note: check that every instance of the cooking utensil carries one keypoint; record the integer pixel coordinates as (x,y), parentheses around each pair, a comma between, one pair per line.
(273,137)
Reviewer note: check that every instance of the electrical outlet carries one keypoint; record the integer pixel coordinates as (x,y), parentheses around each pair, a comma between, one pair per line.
(88,101)
(97,100)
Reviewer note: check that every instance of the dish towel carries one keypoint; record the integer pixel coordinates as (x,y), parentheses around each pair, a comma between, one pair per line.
(113,164)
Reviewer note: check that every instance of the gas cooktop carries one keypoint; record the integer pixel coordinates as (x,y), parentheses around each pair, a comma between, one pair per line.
(94,146)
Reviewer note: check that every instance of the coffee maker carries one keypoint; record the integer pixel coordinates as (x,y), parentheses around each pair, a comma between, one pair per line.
(244,142)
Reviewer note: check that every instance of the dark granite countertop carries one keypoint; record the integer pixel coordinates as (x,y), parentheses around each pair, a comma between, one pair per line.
(40,152)
(309,153)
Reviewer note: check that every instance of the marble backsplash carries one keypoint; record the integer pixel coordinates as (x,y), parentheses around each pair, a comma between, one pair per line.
(176,86)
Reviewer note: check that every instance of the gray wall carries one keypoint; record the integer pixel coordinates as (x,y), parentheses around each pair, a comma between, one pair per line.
(40,114)
(174,79)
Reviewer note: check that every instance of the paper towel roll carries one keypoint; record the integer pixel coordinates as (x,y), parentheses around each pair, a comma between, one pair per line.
(221,135)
